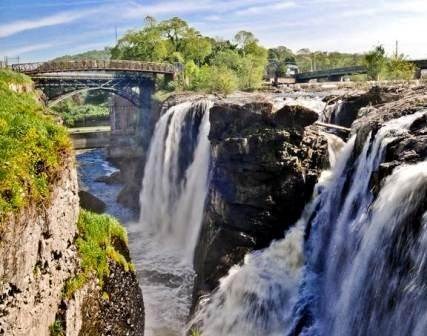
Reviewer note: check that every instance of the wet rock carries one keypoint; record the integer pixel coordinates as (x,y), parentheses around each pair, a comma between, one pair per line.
(116,309)
(91,202)
(114,178)
(265,165)
(410,147)
(344,110)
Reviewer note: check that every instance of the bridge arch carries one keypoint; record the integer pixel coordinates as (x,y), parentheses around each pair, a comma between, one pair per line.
(121,93)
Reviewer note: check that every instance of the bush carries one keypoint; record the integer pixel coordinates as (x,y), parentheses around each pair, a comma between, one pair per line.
(222,80)
(74,115)
(32,146)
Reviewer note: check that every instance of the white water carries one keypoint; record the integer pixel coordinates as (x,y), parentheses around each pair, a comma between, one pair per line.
(362,276)
(172,204)
(172,201)
(348,271)
(257,298)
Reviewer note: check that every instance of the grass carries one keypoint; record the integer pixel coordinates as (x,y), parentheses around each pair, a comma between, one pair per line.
(97,234)
(32,145)
(56,328)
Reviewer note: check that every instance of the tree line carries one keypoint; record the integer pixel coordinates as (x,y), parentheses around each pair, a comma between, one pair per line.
(219,65)
(210,64)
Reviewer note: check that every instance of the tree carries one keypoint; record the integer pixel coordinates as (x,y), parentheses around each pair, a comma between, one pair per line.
(375,61)
(243,39)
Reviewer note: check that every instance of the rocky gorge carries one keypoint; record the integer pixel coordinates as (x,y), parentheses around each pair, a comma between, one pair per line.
(239,182)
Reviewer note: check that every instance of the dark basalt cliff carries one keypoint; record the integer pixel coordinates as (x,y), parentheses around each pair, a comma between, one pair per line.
(265,165)
(408,147)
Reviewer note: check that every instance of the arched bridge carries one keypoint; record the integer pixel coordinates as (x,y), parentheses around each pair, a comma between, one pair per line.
(132,80)
(33,69)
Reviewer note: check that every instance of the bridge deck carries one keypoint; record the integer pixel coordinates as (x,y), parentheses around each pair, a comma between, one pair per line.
(94,65)
(331,73)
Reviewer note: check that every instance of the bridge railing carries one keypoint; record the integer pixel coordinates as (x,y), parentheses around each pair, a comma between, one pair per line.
(332,72)
(97,65)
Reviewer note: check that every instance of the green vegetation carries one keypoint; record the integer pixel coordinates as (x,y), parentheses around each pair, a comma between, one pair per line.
(379,65)
(382,67)
(77,115)
(195,332)
(32,146)
(104,54)
(57,329)
(211,65)
(311,60)
(98,236)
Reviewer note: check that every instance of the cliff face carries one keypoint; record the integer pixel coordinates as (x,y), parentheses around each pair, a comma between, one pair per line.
(37,257)
(409,147)
(39,233)
(265,165)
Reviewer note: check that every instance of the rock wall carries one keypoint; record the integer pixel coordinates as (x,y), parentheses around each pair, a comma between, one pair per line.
(37,256)
(409,147)
(265,165)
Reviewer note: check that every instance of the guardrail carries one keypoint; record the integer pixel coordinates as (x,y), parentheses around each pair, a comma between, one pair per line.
(95,65)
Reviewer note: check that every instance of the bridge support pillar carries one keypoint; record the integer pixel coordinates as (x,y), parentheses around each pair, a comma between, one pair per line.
(145,119)
(336,78)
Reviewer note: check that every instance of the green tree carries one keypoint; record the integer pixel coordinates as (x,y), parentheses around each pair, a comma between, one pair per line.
(375,61)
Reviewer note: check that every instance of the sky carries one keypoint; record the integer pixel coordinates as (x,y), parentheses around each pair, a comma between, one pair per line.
(37,30)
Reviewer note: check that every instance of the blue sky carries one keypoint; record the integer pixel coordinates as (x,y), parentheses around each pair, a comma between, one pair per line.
(42,29)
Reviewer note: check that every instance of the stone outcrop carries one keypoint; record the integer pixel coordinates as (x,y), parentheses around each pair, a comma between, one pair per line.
(265,165)
(343,110)
(91,202)
(410,147)
(37,257)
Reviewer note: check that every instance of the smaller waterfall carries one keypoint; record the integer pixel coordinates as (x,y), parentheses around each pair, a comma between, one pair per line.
(362,270)
(338,229)
(175,182)
(257,298)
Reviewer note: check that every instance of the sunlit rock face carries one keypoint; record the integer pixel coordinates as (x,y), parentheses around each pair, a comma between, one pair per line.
(265,164)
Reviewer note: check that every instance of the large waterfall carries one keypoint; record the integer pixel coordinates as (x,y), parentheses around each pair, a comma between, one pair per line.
(174,189)
(362,271)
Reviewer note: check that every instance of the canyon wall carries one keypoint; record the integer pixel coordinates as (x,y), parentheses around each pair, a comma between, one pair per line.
(265,164)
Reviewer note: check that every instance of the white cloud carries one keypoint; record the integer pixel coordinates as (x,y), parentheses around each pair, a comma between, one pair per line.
(15,27)
(26,49)
(262,9)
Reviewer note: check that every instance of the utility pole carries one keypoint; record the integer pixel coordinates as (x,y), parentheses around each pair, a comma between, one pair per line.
(115,27)
(397,49)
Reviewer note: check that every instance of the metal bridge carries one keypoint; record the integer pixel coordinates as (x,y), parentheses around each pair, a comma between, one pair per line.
(331,74)
(131,80)
(338,73)
(95,66)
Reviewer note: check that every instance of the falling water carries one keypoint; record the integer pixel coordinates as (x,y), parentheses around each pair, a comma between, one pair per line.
(365,261)
(257,298)
(172,200)
(174,191)
(361,268)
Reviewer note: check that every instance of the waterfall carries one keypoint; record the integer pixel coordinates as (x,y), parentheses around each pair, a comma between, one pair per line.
(257,298)
(362,270)
(358,250)
(175,182)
